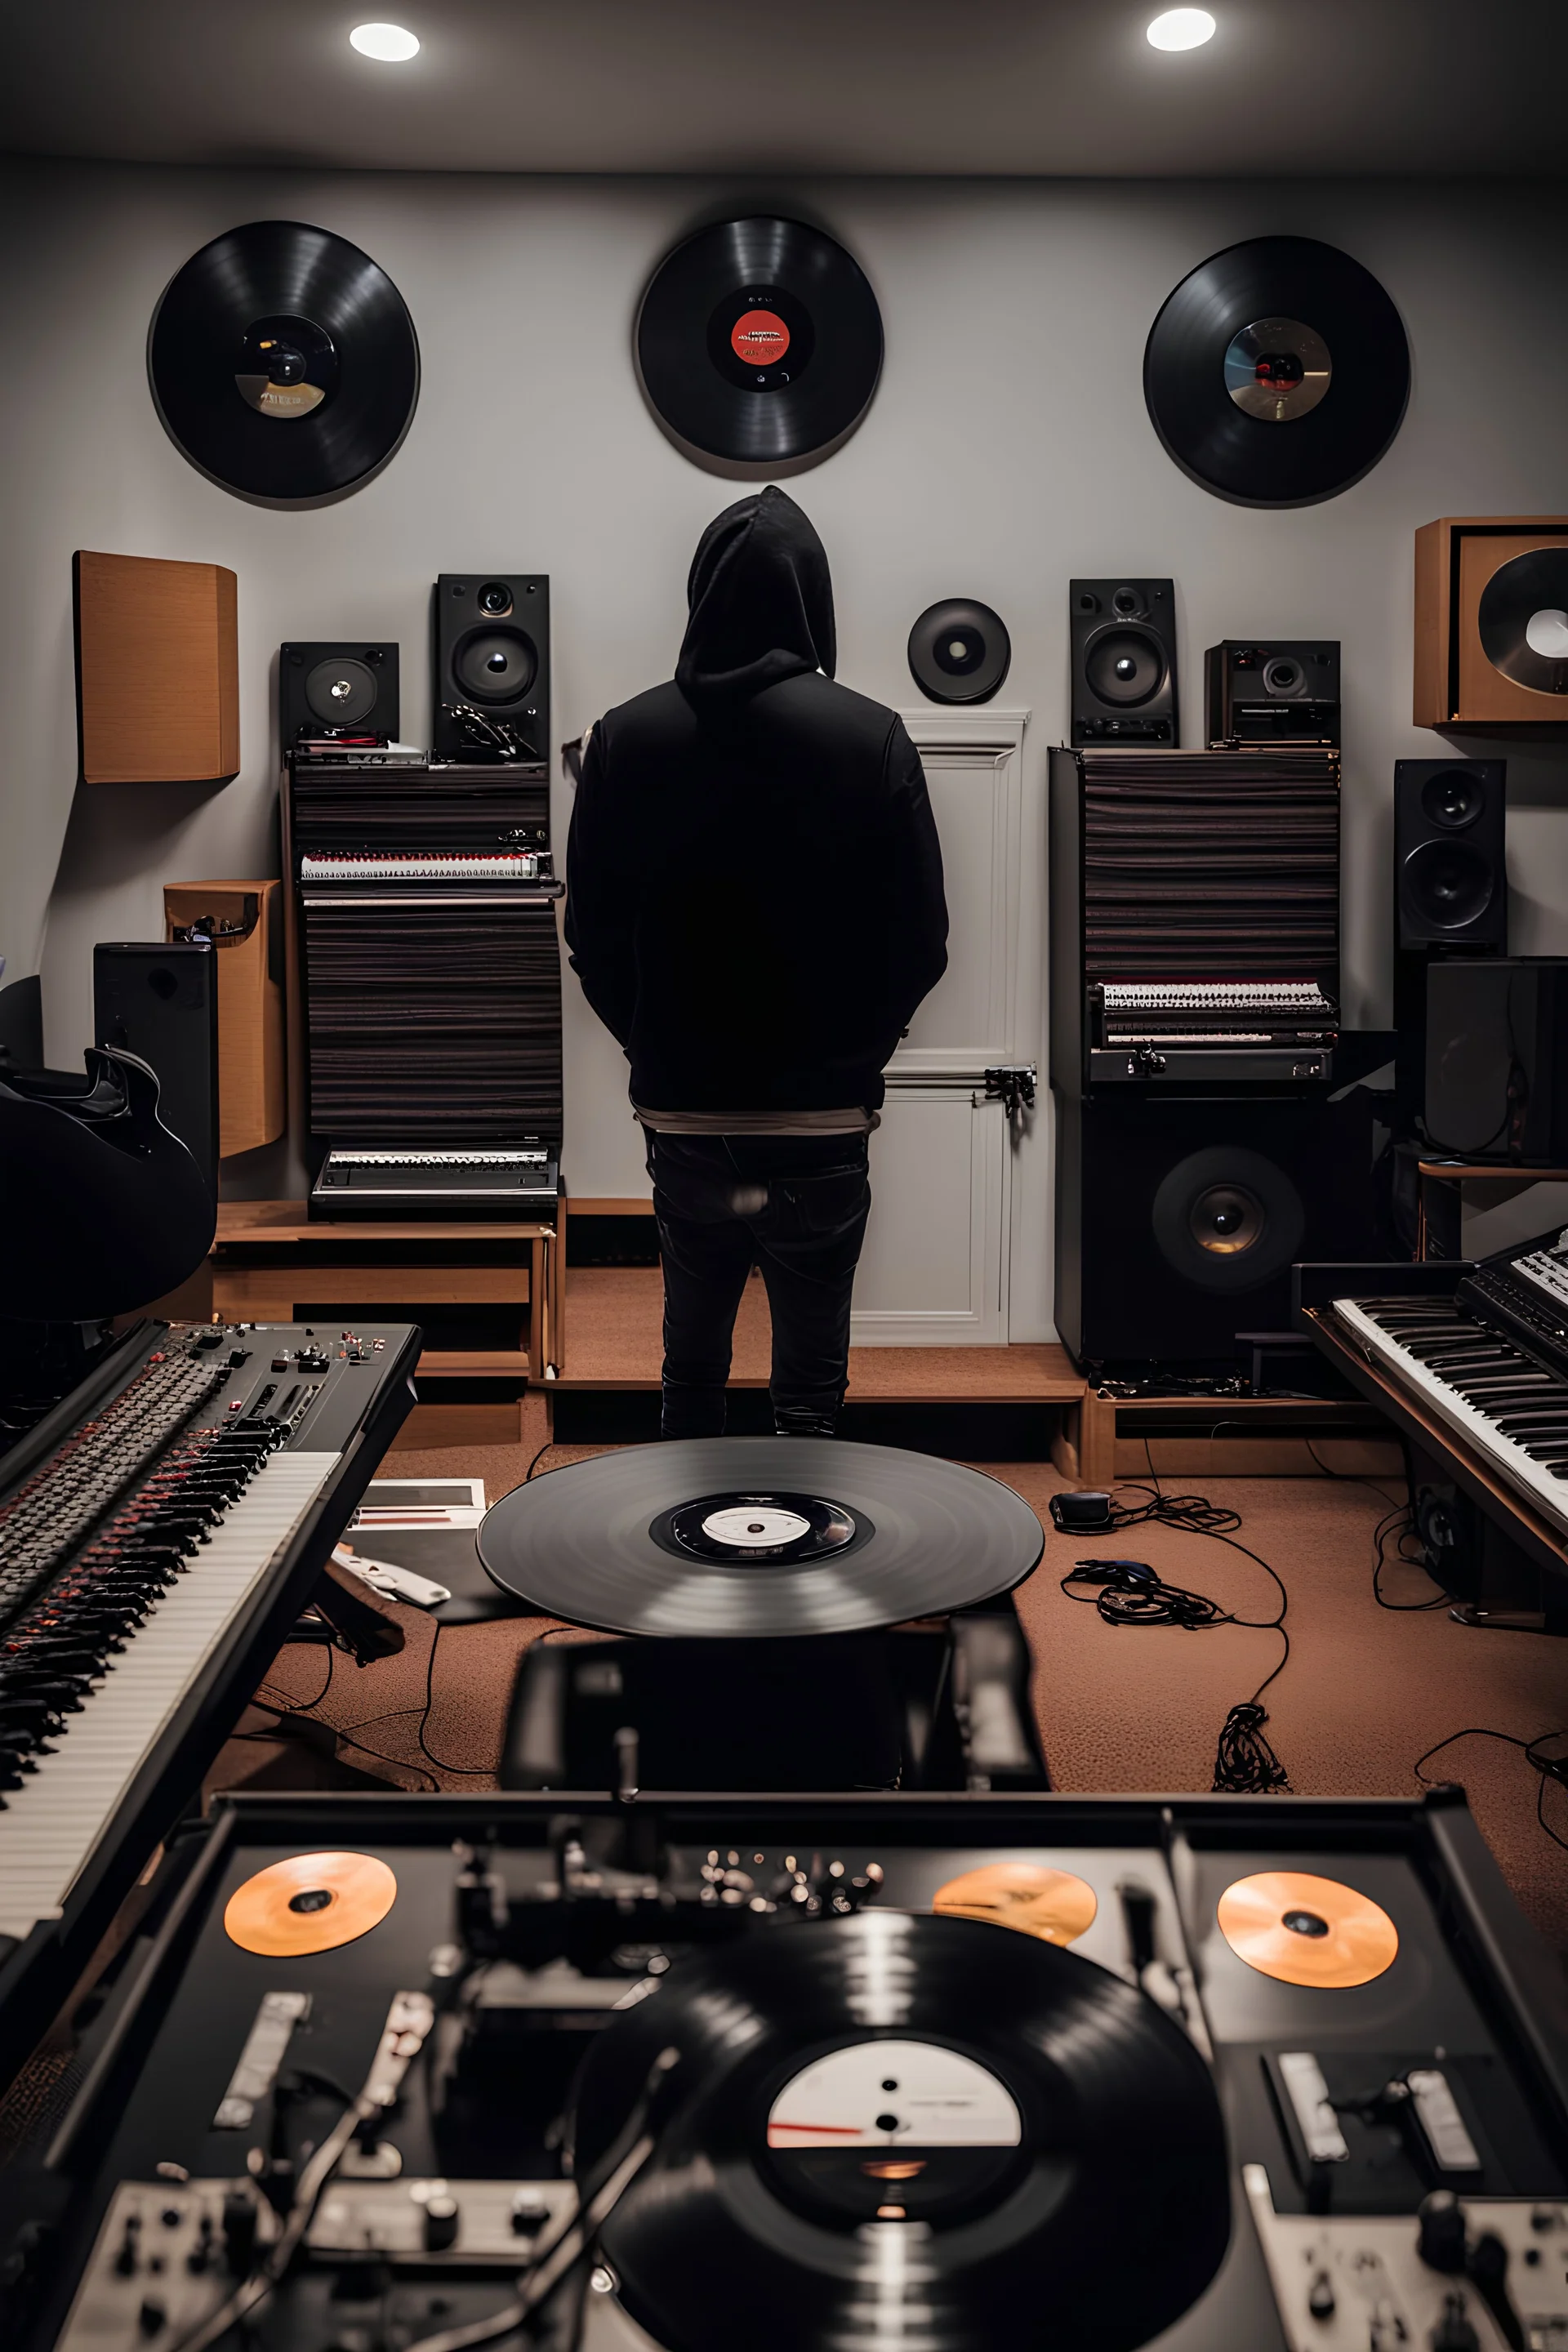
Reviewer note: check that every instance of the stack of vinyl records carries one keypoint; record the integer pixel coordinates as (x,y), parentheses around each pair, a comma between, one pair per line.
(432,1002)
(1209,864)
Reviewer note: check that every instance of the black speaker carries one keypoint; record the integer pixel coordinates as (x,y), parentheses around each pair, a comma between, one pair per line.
(1450,884)
(1497,1058)
(322,687)
(1123,661)
(1178,1221)
(959,651)
(491,667)
(1281,692)
(161,1004)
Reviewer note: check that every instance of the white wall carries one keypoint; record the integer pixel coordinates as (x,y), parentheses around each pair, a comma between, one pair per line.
(1007,449)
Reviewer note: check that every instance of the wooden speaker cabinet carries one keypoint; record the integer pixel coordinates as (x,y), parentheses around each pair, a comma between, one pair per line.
(157,670)
(245,922)
(1491,624)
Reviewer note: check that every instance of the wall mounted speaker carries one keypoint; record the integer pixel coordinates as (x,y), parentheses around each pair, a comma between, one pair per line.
(1491,624)
(492,666)
(1281,692)
(1450,882)
(159,1002)
(1123,661)
(243,920)
(1178,1221)
(959,651)
(322,687)
(157,670)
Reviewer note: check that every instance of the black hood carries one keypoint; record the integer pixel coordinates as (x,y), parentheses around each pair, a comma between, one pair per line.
(761,602)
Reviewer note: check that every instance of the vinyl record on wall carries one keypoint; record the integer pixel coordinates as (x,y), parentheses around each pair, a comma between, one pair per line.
(760,342)
(959,651)
(1277,373)
(283,363)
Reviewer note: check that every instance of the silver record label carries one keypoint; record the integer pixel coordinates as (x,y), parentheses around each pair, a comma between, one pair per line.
(1276,370)
(755,1526)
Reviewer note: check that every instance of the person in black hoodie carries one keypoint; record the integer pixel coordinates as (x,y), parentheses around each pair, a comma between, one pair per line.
(755,908)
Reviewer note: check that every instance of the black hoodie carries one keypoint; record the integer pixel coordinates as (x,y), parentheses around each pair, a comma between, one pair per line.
(755,898)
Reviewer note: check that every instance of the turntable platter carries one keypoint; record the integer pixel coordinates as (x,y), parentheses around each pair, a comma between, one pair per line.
(766,1536)
(917,2117)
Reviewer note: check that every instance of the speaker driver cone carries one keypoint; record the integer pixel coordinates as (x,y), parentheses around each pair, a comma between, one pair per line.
(1453,798)
(1227,1219)
(1124,665)
(1448,883)
(494,665)
(341,693)
(959,651)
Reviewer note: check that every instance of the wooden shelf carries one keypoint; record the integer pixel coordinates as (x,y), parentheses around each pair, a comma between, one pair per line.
(1489,1171)
(255,1222)
(472,1363)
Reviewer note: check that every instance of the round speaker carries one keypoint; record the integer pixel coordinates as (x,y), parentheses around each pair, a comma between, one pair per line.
(1284,678)
(1227,1219)
(1453,798)
(959,652)
(494,665)
(1125,665)
(1448,883)
(340,692)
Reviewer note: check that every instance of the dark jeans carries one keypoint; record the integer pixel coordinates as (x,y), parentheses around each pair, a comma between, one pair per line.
(794,1205)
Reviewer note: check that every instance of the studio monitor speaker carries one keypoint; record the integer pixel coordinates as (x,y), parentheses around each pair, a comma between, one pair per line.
(350,686)
(492,666)
(159,1002)
(1491,624)
(243,920)
(1123,661)
(1497,1059)
(157,670)
(1450,882)
(1178,1221)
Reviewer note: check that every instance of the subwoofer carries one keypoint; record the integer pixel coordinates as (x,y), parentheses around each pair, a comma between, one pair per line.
(1178,1221)
(161,1004)
(1123,661)
(325,688)
(1450,886)
(491,667)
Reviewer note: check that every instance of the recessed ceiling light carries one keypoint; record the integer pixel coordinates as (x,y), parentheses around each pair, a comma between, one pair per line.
(391,46)
(1182,28)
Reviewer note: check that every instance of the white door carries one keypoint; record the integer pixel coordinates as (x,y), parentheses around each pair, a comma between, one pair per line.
(934,1267)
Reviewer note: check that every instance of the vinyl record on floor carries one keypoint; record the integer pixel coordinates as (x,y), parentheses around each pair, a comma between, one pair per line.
(309,1903)
(909,2129)
(1277,373)
(760,342)
(1522,620)
(283,362)
(758,1536)
(1307,1931)
(1029,1896)
(959,651)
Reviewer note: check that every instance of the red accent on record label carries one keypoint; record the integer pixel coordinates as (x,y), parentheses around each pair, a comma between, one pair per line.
(759,338)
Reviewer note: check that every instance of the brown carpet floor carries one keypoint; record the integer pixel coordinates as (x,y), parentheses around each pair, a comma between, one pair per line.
(1364,1693)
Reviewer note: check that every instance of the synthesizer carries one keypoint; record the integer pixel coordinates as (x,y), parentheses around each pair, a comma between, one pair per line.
(160,1530)
(494,1182)
(1491,1361)
(426,865)
(1201,1029)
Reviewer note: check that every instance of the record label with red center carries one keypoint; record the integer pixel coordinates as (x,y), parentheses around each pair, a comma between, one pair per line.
(759,342)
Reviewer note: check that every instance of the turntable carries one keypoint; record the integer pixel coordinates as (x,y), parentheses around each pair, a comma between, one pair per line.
(830,2071)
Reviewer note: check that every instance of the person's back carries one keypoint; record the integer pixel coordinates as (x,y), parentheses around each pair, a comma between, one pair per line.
(755,909)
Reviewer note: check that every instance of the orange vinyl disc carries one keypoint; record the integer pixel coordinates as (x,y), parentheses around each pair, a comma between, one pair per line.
(1038,1901)
(1307,1931)
(311,1903)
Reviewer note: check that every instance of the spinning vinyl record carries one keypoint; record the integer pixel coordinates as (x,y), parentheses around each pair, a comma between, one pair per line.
(760,342)
(959,651)
(283,362)
(1522,620)
(1307,1931)
(311,1903)
(759,1536)
(915,2130)
(1276,373)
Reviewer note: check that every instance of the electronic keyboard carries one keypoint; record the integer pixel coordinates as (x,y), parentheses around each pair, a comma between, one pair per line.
(497,1182)
(426,865)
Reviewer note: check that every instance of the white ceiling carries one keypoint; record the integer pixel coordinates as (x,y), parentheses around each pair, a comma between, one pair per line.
(1055,87)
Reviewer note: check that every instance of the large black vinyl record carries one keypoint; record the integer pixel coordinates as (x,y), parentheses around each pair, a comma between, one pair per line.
(906,2130)
(1276,373)
(734,1537)
(284,362)
(760,342)
(1523,620)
